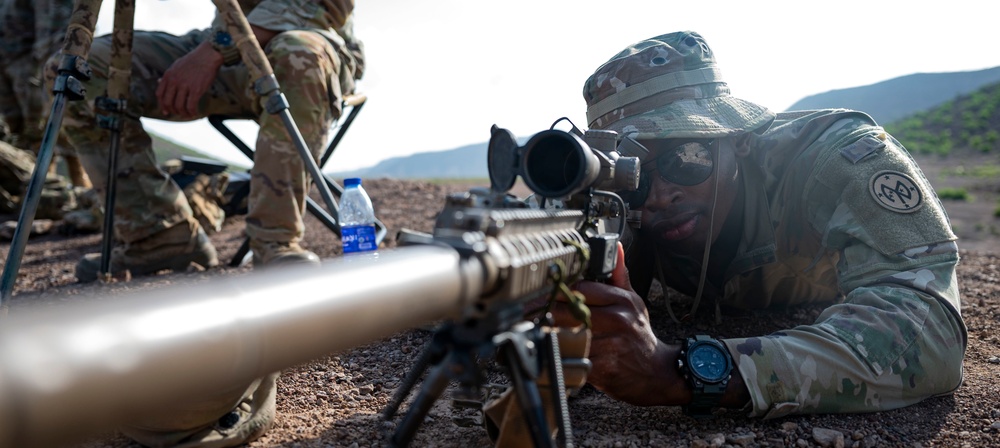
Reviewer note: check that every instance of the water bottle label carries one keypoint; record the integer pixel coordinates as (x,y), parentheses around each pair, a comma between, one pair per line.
(358,238)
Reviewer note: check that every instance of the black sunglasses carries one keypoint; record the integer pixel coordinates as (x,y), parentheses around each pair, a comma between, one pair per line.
(687,163)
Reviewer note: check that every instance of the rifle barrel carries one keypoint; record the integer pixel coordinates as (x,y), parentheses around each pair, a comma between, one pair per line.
(73,370)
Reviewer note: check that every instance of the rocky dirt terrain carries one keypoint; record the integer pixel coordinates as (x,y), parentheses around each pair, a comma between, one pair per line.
(336,401)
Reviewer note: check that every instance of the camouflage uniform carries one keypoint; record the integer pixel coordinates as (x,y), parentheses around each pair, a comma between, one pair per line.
(30,32)
(834,211)
(56,198)
(315,65)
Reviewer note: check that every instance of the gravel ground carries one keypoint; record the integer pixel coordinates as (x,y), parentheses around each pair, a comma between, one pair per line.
(337,400)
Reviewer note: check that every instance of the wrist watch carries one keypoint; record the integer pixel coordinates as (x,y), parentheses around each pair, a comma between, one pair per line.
(706,366)
(222,42)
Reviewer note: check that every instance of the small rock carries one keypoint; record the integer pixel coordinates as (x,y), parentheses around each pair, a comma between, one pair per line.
(828,437)
(38,227)
(789,426)
(996,425)
(870,441)
(716,440)
(801,443)
(699,443)
(741,439)
(857,435)
(993,360)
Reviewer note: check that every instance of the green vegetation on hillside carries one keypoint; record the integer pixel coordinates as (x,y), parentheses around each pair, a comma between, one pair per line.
(967,122)
(954,194)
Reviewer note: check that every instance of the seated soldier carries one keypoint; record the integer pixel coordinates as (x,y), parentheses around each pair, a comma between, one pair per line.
(316,60)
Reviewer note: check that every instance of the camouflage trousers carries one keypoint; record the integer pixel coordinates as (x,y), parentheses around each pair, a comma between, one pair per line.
(307,67)
(23,101)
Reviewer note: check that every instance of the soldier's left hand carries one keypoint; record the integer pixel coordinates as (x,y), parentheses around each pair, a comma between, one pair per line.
(627,357)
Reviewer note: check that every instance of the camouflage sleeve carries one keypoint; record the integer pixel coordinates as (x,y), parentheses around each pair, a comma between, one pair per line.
(278,15)
(287,15)
(898,336)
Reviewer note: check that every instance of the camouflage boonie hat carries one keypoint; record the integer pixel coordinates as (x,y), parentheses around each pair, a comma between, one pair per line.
(667,87)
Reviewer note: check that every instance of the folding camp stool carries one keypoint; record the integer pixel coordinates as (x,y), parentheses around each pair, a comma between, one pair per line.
(330,218)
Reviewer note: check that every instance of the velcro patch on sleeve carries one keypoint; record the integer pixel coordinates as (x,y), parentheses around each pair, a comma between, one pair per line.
(863,147)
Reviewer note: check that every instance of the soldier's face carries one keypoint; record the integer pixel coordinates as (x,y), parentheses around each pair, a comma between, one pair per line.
(682,177)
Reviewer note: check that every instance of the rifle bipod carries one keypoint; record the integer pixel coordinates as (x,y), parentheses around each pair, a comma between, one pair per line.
(523,351)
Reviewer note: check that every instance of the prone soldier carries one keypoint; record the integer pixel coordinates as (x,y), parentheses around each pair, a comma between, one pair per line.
(747,209)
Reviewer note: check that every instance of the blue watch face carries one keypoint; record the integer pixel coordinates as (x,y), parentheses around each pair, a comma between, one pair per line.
(708,362)
(223,39)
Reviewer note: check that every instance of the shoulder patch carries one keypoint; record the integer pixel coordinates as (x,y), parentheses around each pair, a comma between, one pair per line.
(896,191)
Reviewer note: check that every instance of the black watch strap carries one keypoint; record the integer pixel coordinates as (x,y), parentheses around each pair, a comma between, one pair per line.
(705,395)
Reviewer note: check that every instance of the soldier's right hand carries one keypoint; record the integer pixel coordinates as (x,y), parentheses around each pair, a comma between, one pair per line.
(186,81)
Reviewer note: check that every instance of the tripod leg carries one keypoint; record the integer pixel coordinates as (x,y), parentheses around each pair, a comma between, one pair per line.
(68,86)
(114,104)
(419,367)
(528,398)
(432,388)
(558,388)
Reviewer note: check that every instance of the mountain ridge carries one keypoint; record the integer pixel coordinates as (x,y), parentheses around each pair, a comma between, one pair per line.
(886,101)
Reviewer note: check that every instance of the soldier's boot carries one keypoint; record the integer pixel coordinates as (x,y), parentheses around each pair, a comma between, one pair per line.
(275,253)
(77,175)
(175,248)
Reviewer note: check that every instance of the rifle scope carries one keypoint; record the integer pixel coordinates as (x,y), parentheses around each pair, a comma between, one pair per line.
(557,164)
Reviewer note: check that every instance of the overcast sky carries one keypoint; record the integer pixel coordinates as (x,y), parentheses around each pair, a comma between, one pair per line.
(441,72)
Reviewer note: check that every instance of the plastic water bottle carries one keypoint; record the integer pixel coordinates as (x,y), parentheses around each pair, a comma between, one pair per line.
(357,218)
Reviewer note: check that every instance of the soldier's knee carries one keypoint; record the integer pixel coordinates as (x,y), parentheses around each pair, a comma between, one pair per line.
(99,53)
(298,50)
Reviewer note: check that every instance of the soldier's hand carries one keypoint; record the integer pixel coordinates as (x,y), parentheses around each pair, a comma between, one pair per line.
(627,357)
(186,81)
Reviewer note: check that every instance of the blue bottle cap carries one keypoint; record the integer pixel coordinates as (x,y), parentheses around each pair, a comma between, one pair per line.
(352,181)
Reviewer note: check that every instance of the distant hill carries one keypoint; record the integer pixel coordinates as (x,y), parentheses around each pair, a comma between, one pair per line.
(467,162)
(887,101)
(891,100)
(166,149)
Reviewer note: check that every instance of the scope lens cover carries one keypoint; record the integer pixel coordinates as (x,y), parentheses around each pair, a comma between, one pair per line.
(501,159)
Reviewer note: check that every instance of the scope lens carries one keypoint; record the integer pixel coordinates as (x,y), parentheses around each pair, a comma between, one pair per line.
(557,164)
